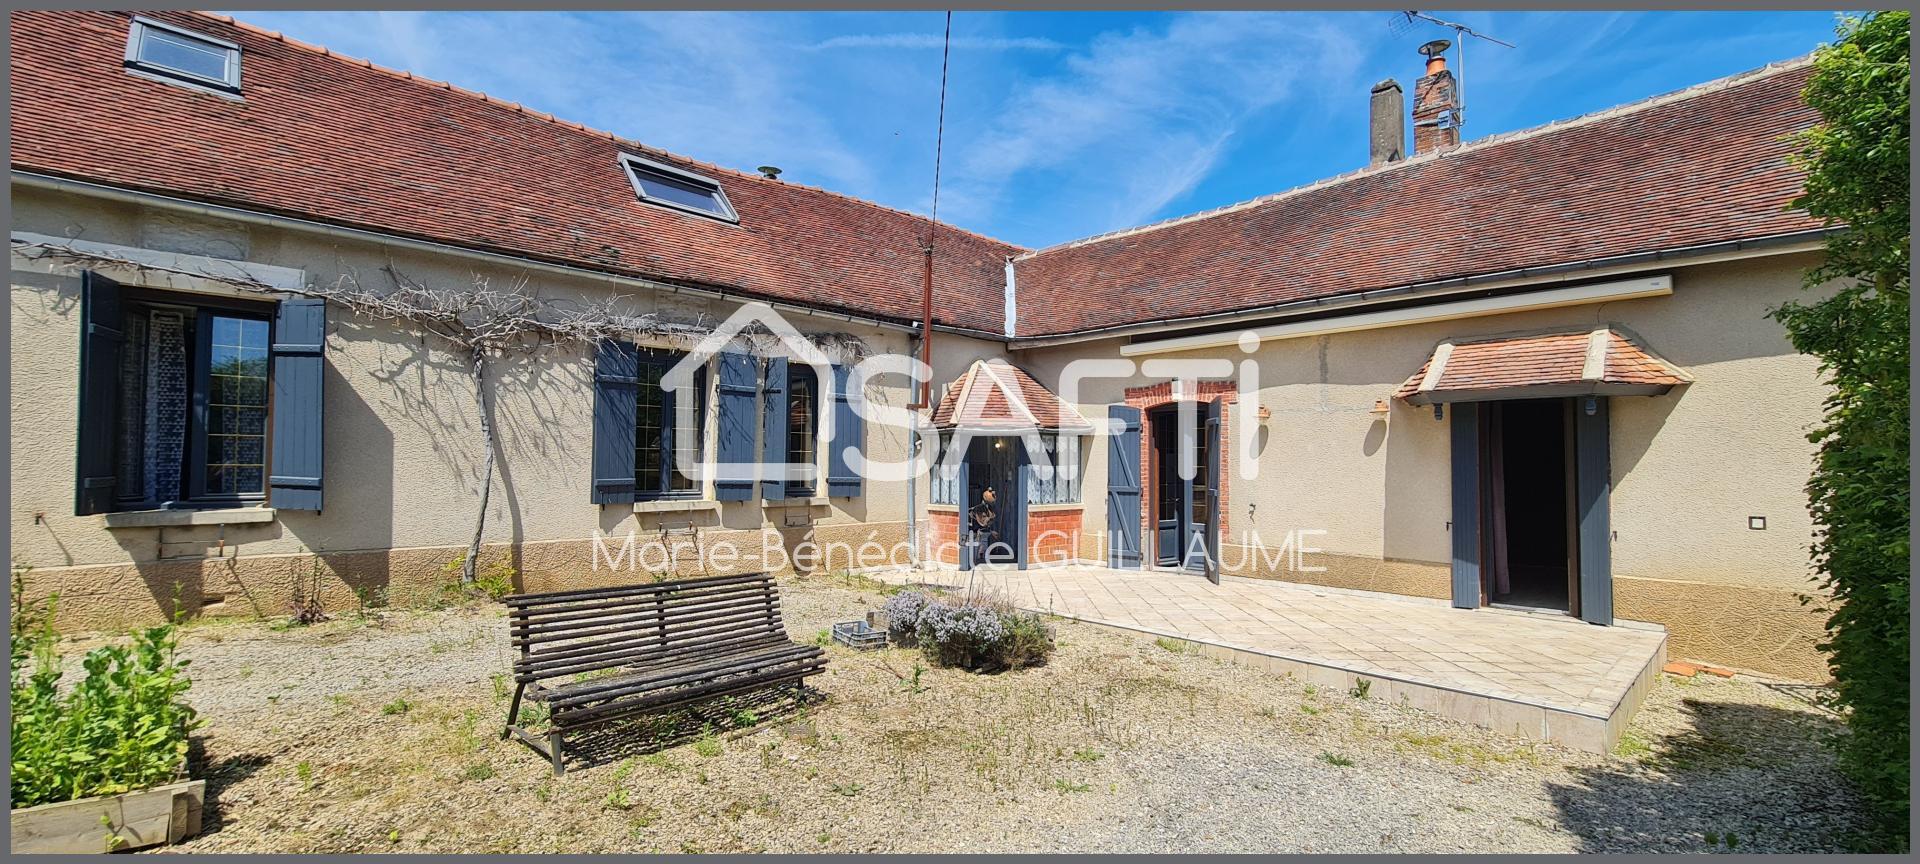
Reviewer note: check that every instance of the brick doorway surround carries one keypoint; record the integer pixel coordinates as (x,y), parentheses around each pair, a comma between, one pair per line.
(1150,396)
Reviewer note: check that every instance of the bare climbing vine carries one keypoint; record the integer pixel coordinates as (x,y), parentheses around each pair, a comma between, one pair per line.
(481,321)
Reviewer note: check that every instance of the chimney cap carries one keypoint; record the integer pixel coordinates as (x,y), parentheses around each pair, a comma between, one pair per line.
(769,171)
(1388,84)
(1435,48)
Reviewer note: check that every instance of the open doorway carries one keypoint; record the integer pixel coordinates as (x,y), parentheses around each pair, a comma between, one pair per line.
(1181,501)
(1532,545)
(992,516)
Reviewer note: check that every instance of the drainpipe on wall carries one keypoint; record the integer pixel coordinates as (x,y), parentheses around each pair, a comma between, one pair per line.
(913,496)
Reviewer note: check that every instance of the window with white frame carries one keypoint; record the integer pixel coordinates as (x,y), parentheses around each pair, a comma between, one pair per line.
(1063,453)
(945,485)
(183,56)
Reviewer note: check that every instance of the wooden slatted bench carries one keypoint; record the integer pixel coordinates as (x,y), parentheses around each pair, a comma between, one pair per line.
(599,655)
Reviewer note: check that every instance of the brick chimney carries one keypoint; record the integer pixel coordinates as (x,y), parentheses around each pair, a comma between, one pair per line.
(1433,108)
(1386,131)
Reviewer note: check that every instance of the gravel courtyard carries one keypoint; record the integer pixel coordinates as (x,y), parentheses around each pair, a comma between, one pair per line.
(382,735)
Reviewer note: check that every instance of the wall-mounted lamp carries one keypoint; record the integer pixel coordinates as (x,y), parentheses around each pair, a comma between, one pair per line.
(1593,405)
(1439,410)
(1265,414)
(1381,407)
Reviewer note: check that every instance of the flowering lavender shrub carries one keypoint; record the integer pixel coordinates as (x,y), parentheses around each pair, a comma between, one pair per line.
(903,615)
(965,636)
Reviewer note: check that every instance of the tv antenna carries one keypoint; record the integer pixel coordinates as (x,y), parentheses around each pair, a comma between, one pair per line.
(1461,31)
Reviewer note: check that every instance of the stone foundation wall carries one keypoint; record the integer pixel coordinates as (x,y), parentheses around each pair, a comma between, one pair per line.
(130,595)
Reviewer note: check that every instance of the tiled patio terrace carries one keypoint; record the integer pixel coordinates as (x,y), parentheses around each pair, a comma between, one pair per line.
(1538,676)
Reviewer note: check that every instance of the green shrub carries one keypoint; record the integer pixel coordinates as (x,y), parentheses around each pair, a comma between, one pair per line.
(493,581)
(1857,166)
(122,727)
(981,637)
(1028,640)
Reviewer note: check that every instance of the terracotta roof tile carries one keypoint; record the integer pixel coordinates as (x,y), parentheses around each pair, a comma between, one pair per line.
(1546,360)
(344,141)
(340,140)
(995,394)
(1705,165)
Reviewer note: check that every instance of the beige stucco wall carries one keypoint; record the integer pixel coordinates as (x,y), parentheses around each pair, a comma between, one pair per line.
(403,459)
(1688,468)
(402,448)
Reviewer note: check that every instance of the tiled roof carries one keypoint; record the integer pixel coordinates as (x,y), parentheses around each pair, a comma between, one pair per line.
(1593,361)
(332,139)
(1706,165)
(995,394)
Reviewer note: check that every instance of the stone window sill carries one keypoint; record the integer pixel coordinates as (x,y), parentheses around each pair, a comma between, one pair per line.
(819,501)
(174,518)
(1054,508)
(693,505)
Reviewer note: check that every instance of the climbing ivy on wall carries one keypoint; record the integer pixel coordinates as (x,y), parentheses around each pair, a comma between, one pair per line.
(1857,176)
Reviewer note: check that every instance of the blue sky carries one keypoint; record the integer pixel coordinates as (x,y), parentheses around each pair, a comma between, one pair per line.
(1059,125)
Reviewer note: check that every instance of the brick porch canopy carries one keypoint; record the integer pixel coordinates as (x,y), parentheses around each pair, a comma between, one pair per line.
(1599,362)
(995,396)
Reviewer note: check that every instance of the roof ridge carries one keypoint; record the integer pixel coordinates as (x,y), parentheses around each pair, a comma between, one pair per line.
(1589,118)
(581,127)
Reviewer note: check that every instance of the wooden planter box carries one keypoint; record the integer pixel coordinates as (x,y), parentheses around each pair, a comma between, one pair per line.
(149,817)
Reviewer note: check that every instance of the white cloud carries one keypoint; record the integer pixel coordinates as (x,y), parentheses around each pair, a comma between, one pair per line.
(931,40)
(1140,118)
(718,87)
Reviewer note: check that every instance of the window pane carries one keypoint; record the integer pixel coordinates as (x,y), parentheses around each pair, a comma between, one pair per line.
(689,434)
(236,424)
(800,428)
(649,432)
(678,191)
(183,54)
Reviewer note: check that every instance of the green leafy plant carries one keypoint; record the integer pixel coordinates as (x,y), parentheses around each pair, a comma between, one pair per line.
(1335,759)
(1361,687)
(1857,166)
(396,707)
(123,726)
(491,582)
(708,746)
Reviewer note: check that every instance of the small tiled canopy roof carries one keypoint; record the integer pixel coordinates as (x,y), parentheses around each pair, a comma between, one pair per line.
(1600,362)
(995,394)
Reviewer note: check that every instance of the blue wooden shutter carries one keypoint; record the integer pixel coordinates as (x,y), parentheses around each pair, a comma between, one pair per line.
(1123,488)
(849,433)
(101,320)
(1593,484)
(773,431)
(299,368)
(735,414)
(616,381)
(1466,505)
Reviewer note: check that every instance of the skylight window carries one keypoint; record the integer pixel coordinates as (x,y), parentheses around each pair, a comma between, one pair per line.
(182,56)
(668,186)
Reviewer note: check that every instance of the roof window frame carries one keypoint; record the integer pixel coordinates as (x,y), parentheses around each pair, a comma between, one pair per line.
(629,163)
(228,85)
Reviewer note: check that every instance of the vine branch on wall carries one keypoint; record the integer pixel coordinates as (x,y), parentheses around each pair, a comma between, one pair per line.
(478,320)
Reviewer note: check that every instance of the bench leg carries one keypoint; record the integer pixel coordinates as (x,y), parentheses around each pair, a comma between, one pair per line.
(553,748)
(513,712)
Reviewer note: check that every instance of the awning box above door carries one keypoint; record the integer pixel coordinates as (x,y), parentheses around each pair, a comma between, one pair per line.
(1598,362)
